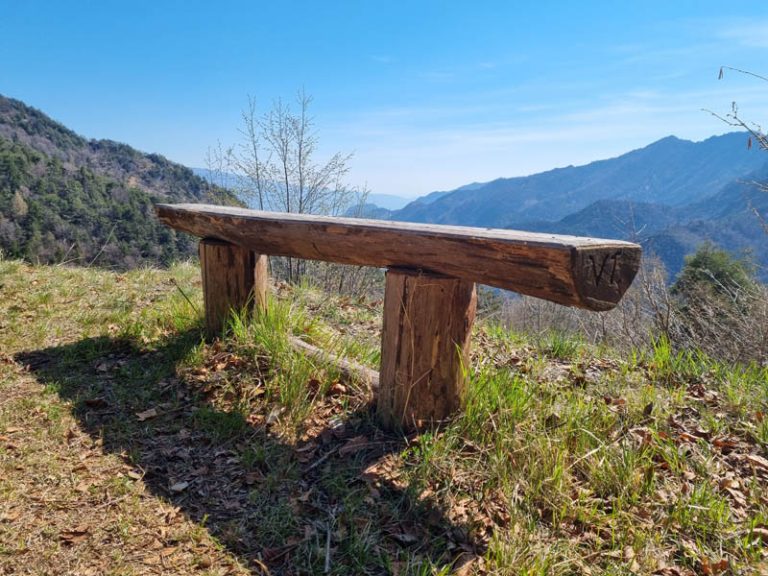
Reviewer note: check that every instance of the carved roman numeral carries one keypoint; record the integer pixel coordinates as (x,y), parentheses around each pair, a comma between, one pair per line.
(610,263)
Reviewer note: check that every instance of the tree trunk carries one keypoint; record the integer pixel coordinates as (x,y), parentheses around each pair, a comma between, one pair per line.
(424,348)
(233,278)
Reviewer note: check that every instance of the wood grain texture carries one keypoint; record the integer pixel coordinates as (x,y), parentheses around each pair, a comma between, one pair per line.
(349,369)
(424,348)
(586,272)
(233,278)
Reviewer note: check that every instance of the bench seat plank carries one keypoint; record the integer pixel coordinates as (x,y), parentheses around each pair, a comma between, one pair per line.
(590,273)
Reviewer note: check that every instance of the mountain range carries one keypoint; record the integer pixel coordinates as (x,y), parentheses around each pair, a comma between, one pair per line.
(670,196)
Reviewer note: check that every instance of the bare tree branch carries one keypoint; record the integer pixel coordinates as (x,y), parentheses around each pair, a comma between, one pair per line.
(277,169)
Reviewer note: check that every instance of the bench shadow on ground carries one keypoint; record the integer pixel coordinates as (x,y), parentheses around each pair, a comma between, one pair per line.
(333,499)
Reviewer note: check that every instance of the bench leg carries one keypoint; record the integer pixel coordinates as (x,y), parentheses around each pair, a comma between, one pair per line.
(233,278)
(424,348)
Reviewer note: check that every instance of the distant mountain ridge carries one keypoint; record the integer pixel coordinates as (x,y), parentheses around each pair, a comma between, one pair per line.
(670,171)
(66,198)
(376,202)
(670,195)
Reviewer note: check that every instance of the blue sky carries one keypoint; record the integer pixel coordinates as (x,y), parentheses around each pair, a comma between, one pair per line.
(428,95)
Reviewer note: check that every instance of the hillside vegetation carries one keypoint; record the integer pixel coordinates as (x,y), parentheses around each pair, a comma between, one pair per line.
(65,198)
(128,445)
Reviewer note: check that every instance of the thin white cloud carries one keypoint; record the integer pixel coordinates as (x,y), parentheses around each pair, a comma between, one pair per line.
(439,76)
(749,34)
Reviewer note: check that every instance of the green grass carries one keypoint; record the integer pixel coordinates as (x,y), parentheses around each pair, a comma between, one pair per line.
(560,346)
(566,458)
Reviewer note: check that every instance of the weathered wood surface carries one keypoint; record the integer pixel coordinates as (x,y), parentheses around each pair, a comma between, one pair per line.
(233,278)
(348,369)
(424,348)
(585,272)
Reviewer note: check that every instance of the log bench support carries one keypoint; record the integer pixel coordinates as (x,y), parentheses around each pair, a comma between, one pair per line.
(424,348)
(234,278)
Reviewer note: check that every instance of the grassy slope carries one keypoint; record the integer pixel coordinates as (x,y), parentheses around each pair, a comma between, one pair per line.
(129,446)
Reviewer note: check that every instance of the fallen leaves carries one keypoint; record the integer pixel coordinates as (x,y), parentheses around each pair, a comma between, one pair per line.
(337,389)
(96,403)
(306,452)
(354,445)
(757,461)
(167,551)
(11,515)
(405,538)
(179,486)
(274,415)
(673,571)
(760,532)
(713,567)
(147,414)
(75,535)
(253,477)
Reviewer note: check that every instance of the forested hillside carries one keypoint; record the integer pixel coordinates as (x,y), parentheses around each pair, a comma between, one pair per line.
(67,199)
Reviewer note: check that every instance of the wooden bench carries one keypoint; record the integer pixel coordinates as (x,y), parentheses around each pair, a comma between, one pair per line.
(430,297)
